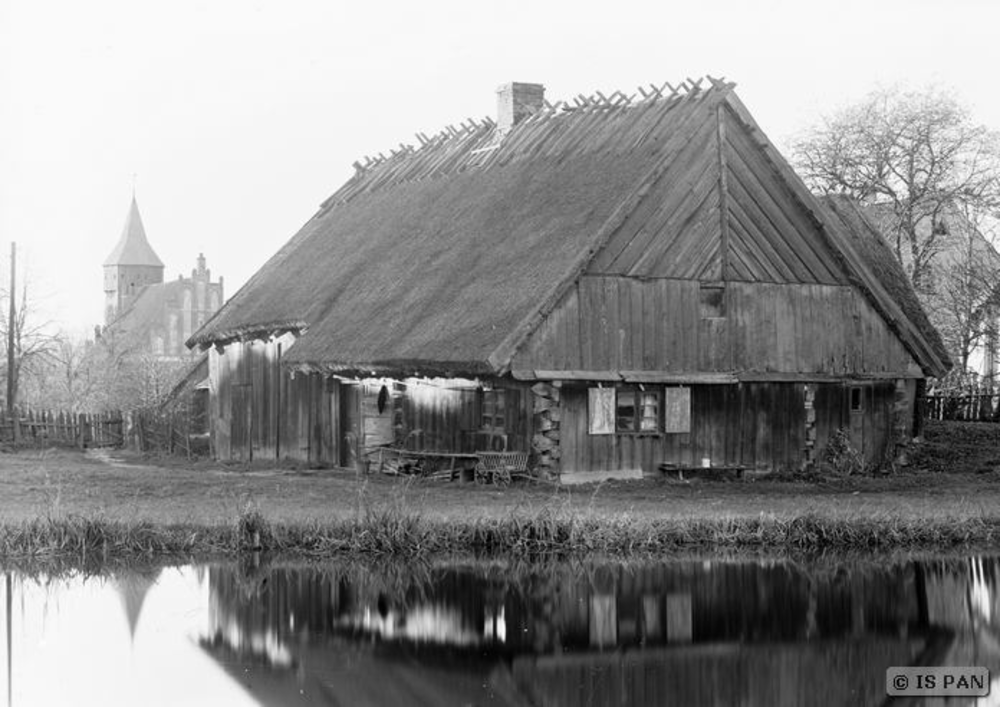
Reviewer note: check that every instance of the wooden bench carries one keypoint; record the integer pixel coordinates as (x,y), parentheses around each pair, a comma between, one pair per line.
(705,471)
(500,467)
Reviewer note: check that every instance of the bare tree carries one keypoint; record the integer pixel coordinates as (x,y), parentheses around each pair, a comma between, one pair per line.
(113,372)
(33,339)
(913,155)
(64,378)
(962,293)
(125,375)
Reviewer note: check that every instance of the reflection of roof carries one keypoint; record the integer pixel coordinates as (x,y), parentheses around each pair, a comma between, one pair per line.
(338,673)
(133,248)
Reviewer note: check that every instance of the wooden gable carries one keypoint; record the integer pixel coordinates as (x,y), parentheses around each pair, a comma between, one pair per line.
(770,237)
(719,269)
(719,205)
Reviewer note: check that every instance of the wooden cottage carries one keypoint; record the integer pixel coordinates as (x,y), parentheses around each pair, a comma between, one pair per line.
(609,284)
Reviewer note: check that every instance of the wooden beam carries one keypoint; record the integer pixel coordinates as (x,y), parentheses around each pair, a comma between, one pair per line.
(575,375)
(778,377)
(692,377)
(709,378)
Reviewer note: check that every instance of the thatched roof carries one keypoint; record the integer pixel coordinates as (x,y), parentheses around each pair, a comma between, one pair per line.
(441,259)
(133,248)
(868,241)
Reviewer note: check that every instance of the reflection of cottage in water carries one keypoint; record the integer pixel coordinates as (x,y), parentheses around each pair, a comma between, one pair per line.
(680,633)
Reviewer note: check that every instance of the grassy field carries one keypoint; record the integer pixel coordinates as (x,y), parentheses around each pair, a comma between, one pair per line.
(954,480)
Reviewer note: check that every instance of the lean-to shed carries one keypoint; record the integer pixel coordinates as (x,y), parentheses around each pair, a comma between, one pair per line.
(610,284)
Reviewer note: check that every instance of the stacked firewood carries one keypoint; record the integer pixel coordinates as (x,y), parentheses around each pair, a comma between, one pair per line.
(545,441)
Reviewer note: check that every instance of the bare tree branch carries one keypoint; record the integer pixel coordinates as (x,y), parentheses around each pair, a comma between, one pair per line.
(911,155)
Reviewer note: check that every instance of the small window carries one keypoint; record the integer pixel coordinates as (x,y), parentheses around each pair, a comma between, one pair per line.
(494,410)
(857,399)
(625,412)
(713,302)
(637,411)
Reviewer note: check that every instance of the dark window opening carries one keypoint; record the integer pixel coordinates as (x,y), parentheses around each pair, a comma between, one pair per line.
(713,302)
(625,412)
(857,399)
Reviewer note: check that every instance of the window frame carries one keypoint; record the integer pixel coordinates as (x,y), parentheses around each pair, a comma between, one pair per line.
(495,400)
(637,398)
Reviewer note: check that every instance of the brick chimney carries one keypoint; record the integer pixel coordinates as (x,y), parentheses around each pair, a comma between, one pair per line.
(516,101)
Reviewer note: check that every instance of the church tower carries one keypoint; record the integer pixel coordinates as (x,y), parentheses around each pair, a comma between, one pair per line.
(131,266)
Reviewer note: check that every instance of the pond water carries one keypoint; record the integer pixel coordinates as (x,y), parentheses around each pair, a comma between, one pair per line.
(684,632)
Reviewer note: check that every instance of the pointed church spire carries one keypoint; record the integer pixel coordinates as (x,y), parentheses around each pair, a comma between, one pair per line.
(133,248)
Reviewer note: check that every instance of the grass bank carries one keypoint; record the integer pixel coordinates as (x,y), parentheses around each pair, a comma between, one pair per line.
(108,506)
(395,533)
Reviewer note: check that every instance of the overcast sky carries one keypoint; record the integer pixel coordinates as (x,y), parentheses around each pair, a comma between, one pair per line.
(238,117)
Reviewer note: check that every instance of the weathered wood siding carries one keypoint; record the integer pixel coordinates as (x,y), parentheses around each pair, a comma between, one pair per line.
(260,410)
(759,426)
(720,211)
(614,323)
(440,419)
(871,427)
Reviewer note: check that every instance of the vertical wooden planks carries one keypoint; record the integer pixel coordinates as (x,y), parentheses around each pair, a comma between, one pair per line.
(333,412)
(612,332)
(573,429)
(301,401)
(350,419)
(259,425)
(591,333)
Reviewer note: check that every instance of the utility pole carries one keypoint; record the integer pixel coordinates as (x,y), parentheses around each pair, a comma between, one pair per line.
(11,324)
(10,644)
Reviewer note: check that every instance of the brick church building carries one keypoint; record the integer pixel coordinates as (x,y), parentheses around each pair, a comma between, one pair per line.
(141,309)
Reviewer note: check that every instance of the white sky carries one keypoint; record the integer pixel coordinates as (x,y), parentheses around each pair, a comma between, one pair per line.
(239,117)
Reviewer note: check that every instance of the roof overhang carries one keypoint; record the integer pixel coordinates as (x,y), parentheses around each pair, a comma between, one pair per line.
(249,332)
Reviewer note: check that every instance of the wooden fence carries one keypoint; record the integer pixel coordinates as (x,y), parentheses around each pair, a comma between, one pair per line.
(980,407)
(172,431)
(47,427)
